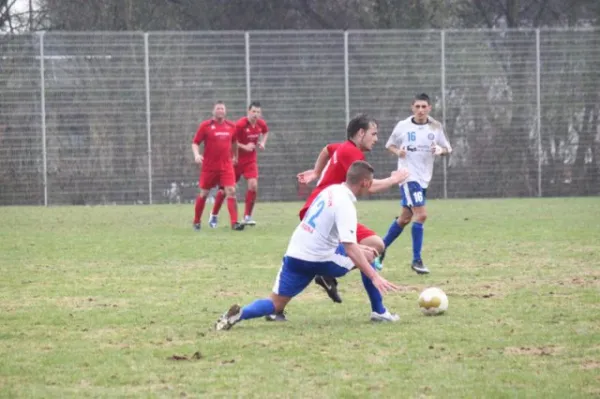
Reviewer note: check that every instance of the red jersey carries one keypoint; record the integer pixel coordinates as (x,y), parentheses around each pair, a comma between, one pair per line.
(217,138)
(246,133)
(342,155)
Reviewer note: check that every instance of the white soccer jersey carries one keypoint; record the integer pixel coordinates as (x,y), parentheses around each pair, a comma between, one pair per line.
(330,220)
(418,140)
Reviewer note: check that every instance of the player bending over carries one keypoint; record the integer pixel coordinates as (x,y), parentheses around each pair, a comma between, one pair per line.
(251,133)
(313,250)
(331,168)
(416,141)
(220,153)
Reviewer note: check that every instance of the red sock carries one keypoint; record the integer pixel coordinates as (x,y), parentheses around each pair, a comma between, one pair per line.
(199,208)
(232,207)
(218,202)
(250,199)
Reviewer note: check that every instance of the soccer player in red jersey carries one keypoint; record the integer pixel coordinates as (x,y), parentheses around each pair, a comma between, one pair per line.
(219,156)
(331,168)
(252,133)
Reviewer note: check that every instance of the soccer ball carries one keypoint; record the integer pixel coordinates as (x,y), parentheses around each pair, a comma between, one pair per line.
(433,301)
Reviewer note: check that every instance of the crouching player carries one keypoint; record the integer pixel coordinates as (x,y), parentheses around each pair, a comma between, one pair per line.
(331,220)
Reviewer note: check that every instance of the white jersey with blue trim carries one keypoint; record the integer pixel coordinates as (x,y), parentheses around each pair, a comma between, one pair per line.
(330,220)
(418,140)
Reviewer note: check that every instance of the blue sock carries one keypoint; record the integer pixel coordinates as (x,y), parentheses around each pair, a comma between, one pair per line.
(417,236)
(374,295)
(394,231)
(372,292)
(258,308)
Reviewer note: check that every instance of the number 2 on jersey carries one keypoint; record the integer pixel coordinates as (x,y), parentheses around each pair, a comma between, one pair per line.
(317,208)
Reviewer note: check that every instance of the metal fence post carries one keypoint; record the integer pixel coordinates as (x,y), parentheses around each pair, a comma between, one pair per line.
(148,116)
(248,87)
(539,109)
(346,78)
(43,116)
(443,79)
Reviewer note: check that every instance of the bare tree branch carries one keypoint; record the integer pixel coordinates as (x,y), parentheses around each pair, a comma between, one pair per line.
(479,4)
(308,10)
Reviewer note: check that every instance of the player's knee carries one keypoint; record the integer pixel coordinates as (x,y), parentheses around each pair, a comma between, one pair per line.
(421,217)
(203,193)
(374,242)
(253,185)
(229,191)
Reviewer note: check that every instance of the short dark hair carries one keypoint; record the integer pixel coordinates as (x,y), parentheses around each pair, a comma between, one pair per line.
(219,102)
(361,121)
(358,171)
(254,104)
(422,97)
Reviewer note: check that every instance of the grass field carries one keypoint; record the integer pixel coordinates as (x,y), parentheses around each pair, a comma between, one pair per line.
(95,302)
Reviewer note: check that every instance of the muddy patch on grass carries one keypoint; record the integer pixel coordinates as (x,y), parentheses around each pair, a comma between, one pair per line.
(195,356)
(483,290)
(531,350)
(82,303)
(590,365)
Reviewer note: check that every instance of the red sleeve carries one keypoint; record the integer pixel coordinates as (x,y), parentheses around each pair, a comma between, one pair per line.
(348,156)
(239,130)
(264,126)
(200,133)
(331,148)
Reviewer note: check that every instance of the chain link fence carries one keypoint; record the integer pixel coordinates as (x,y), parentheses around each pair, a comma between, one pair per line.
(103,118)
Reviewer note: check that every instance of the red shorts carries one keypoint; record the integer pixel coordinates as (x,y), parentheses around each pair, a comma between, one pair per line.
(362,231)
(249,170)
(214,178)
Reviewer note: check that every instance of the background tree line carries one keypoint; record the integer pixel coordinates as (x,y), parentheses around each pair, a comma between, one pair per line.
(490,102)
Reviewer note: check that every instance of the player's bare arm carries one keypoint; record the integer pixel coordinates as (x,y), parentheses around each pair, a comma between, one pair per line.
(399,152)
(438,150)
(234,151)
(313,174)
(357,256)
(263,141)
(197,157)
(396,177)
(247,147)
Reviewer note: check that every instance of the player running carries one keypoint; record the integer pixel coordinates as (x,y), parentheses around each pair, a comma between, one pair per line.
(416,141)
(220,153)
(331,168)
(329,222)
(252,133)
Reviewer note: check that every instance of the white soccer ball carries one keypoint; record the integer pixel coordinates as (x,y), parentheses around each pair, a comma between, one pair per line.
(433,301)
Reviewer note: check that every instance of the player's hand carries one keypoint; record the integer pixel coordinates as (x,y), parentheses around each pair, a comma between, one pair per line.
(401,152)
(307,176)
(198,159)
(235,160)
(399,176)
(250,147)
(384,286)
(261,146)
(370,253)
(436,149)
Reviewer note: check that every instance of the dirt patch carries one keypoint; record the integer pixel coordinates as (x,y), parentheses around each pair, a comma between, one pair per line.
(590,365)
(589,280)
(226,294)
(88,302)
(531,351)
(195,356)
